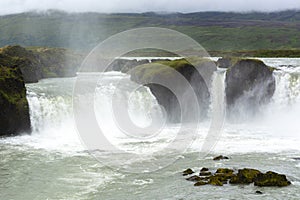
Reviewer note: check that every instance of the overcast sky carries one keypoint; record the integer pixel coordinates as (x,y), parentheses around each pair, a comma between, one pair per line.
(16,6)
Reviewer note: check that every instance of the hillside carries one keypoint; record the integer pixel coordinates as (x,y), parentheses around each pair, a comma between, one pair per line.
(216,31)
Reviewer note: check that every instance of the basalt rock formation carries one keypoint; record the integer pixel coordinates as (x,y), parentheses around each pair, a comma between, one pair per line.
(14,115)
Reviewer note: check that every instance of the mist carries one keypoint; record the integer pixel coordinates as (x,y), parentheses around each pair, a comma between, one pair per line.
(111,6)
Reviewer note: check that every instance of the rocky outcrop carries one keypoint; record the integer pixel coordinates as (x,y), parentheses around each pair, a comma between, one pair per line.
(38,63)
(124,65)
(148,73)
(20,65)
(220,158)
(14,115)
(243,176)
(249,84)
(271,179)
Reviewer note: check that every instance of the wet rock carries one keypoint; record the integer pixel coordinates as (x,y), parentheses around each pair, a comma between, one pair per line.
(195,178)
(245,176)
(271,179)
(224,171)
(200,183)
(258,192)
(221,158)
(215,180)
(224,62)
(14,115)
(205,173)
(187,172)
(161,72)
(249,84)
(204,169)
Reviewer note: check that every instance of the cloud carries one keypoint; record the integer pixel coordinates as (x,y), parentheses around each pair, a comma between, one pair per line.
(16,6)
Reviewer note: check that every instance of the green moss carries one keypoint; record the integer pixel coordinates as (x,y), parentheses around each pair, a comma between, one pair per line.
(215,180)
(161,69)
(200,183)
(245,176)
(224,171)
(271,179)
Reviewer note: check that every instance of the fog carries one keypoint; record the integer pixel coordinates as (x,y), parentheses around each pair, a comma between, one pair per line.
(109,6)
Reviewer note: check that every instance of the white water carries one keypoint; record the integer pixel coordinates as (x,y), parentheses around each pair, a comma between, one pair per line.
(54,162)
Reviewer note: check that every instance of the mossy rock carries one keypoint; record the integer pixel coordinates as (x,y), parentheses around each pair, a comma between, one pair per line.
(215,180)
(224,171)
(251,77)
(14,115)
(38,63)
(205,173)
(167,72)
(245,176)
(271,179)
(196,178)
(200,183)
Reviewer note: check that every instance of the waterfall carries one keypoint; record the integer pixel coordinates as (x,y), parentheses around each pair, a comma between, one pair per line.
(51,111)
(218,101)
(282,113)
(287,87)
(217,110)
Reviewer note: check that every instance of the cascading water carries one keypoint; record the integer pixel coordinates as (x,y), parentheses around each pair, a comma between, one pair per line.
(282,114)
(53,161)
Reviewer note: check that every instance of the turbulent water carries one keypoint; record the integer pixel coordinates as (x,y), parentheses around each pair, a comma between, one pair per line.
(53,163)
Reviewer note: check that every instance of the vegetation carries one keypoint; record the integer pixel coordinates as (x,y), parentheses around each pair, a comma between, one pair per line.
(14,115)
(216,31)
(40,62)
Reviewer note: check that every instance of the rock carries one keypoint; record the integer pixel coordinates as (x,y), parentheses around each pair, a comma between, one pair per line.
(271,179)
(159,71)
(14,115)
(204,169)
(196,178)
(249,84)
(200,183)
(224,62)
(296,158)
(215,180)
(221,158)
(224,171)
(38,63)
(205,173)
(244,176)
(258,192)
(124,65)
(187,172)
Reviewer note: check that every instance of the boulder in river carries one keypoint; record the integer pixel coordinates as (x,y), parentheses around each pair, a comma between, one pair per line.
(271,179)
(249,84)
(220,157)
(187,172)
(245,176)
(167,72)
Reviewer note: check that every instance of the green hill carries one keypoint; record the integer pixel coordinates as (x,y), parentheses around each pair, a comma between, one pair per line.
(215,31)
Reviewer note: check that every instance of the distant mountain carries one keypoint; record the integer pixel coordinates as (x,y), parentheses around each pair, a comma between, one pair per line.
(213,30)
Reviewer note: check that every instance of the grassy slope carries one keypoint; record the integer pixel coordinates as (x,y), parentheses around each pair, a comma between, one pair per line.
(214,31)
